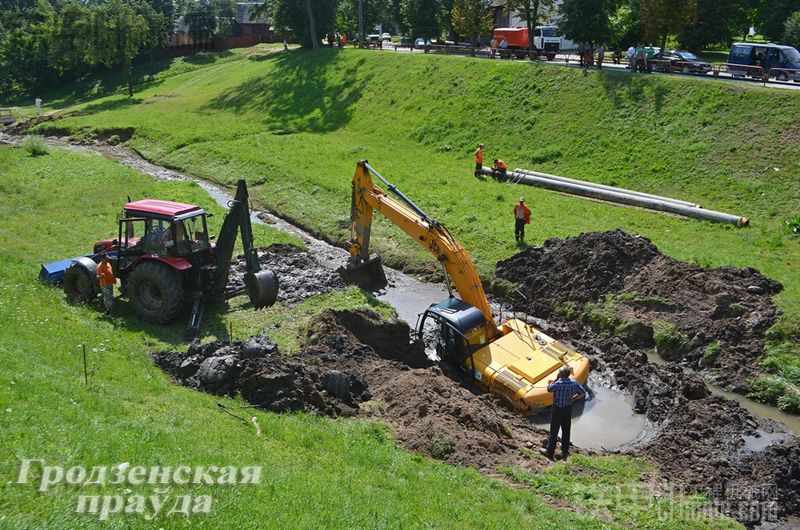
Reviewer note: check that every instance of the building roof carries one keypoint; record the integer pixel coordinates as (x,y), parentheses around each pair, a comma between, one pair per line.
(244,11)
(164,208)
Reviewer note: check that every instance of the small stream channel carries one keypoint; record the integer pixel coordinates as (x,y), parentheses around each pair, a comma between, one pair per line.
(409,296)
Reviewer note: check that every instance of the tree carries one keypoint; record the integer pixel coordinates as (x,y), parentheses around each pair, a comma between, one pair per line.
(717,21)
(791,34)
(529,11)
(625,26)
(119,33)
(661,18)
(375,12)
(423,18)
(587,20)
(472,18)
(309,19)
(772,17)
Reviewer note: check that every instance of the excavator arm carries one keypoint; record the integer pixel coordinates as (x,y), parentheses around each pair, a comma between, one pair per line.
(427,232)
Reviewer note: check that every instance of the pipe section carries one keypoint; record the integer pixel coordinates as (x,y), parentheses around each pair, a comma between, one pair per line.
(605,187)
(621,197)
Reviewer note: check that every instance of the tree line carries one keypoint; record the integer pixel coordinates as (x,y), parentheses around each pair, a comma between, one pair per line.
(45,42)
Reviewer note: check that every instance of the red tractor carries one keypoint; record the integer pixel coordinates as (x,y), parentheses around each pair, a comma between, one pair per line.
(166,261)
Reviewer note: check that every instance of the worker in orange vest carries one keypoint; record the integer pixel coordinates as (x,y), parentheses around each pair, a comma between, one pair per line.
(479,160)
(105,275)
(522,217)
(499,168)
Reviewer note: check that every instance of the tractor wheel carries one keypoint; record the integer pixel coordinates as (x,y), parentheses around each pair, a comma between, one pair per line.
(157,292)
(79,285)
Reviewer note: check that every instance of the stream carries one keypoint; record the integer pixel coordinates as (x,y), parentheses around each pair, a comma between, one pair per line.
(606,404)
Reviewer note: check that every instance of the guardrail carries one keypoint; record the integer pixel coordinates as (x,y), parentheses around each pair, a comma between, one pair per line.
(784,74)
(741,70)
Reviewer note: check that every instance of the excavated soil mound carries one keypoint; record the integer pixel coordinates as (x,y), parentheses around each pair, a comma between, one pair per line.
(355,362)
(726,306)
(699,439)
(300,275)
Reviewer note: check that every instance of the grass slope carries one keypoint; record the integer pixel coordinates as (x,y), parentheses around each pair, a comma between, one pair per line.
(317,472)
(295,123)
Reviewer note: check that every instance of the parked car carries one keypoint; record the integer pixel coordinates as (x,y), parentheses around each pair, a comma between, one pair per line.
(386,36)
(406,41)
(684,61)
(420,42)
(374,38)
(768,57)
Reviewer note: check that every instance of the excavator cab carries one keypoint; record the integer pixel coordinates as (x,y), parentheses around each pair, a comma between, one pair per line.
(462,329)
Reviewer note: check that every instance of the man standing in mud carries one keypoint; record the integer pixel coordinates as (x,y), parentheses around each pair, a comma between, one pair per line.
(565,391)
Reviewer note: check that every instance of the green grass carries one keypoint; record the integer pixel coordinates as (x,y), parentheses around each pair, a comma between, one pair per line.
(620,489)
(317,472)
(294,124)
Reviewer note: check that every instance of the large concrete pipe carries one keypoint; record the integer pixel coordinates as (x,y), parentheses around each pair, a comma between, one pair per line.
(624,198)
(604,187)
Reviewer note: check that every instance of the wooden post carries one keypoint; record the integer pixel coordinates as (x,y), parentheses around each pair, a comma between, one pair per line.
(85,371)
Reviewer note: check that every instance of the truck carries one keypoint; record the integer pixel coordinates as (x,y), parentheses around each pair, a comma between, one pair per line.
(547,38)
(512,360)
(519,45)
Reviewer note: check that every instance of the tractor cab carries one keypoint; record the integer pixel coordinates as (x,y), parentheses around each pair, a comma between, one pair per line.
(163,228)
(462,329)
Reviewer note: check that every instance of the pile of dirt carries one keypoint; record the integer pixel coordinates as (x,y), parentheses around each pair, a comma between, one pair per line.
(299,273)
(356,362)
(698,438)
(720,314)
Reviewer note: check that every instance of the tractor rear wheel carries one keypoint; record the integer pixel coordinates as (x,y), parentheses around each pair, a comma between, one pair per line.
(157,292)
(79,285)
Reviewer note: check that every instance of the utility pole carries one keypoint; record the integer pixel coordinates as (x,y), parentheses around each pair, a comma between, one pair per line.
(361,36)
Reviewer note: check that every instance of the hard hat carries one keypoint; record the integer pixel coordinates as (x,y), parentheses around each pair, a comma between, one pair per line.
(522,199)
(480,145)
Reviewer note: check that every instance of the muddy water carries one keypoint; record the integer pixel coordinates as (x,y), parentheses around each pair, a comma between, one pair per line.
(590,419)
(789,421)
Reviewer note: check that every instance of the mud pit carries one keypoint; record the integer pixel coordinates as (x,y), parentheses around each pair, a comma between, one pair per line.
(726,306)
(356,363)
(300,274)
(700,441)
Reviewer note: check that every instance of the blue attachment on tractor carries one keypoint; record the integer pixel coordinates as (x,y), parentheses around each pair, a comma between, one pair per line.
(54,272)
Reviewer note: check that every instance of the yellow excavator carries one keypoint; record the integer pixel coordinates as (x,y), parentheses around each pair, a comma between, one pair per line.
(513,360)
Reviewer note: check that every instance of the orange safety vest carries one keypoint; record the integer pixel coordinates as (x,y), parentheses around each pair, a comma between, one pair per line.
(501,165)
(479,156)
(526,210)
(105,274)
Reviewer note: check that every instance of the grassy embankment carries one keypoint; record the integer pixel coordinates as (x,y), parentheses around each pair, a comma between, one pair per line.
(294,124)
(317,472)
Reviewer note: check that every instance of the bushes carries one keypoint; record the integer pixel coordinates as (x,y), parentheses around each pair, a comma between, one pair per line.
(35,146)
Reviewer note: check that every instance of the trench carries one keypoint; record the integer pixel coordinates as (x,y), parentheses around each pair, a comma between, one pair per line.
(606,404)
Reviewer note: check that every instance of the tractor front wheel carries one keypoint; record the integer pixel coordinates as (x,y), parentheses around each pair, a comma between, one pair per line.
(157,292)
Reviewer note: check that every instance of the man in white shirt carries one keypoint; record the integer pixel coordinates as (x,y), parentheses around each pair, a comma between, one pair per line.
(631,54)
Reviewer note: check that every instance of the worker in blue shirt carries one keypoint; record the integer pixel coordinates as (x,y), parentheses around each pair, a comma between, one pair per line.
(565,391)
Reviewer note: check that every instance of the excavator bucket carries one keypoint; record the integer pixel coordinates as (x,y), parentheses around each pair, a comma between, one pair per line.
(262,288)
(367,275)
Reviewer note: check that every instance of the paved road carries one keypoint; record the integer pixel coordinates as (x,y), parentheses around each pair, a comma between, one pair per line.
(571,61)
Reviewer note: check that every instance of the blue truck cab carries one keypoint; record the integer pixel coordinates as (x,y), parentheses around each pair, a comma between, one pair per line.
(768,57)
